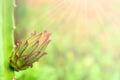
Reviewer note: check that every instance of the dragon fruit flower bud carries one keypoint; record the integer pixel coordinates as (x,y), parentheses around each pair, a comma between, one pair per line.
(29,51)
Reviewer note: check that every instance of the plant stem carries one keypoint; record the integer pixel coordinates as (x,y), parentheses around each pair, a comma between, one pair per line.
(6,38)
(1,45)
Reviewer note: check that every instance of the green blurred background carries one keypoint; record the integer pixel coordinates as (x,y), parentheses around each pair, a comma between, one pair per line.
(85,38)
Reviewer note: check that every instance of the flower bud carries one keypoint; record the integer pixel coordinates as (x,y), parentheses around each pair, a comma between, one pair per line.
(29,51)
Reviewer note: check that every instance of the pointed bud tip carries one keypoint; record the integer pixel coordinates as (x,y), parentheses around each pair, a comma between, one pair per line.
(45,53)
(26,42)
(19,42)
(48,41)
(33,34)
(37,41)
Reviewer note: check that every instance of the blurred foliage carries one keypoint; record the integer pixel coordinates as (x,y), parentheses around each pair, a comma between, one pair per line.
(81,49)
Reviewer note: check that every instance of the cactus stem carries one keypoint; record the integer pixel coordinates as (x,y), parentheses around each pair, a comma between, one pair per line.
(7,22)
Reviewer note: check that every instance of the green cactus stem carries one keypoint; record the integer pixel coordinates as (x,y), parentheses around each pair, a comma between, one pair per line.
(6,38)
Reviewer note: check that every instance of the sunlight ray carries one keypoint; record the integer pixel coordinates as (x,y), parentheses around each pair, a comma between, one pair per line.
(70,12)
(67,13)
(106,14)
(58,5)
(50,14)
(110,17)
(98,14)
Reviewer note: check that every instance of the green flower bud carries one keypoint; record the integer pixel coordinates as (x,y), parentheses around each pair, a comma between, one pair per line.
(30,51)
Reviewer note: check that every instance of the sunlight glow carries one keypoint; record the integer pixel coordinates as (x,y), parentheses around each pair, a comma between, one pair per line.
(74,12)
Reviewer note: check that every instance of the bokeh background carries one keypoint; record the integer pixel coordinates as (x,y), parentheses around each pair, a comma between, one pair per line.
(85,38)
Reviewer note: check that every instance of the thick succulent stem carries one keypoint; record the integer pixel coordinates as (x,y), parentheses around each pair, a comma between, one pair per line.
(6,38)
